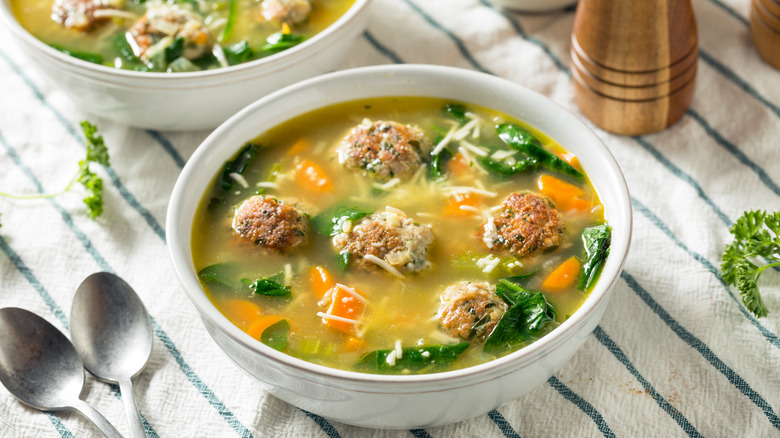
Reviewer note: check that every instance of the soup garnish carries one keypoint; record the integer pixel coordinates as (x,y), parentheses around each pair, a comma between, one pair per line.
(400,235)
(175,35)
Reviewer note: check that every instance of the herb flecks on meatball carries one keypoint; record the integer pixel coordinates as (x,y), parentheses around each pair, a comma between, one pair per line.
(470,310)
(388,237)
(81,14)
(267,222)
(526,224)
(384,149)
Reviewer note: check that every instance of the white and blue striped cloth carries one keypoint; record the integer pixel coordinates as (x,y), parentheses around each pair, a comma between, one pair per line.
(675,355)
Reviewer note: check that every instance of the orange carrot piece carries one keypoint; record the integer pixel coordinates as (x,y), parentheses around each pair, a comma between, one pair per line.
(257,328)
(462,199)
(321,280)
(458,165)
(311,177)
(353,344)
(571,159)
(241,312)
(344,305)
(300,145)
(562,276)
(566,196)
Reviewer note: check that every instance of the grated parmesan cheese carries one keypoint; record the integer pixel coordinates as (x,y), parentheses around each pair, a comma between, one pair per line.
(398,350)
(444,142)
(391,358)
(489,263)
(237,177)
(324,315)
(383,264)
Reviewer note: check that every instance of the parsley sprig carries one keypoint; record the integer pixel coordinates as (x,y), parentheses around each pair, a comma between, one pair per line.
(755,248)
(92,183)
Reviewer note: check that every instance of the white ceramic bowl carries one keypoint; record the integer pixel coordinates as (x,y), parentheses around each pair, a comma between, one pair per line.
(390,401)
(187,101)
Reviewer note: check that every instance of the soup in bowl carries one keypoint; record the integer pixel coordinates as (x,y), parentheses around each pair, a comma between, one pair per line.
(376,243)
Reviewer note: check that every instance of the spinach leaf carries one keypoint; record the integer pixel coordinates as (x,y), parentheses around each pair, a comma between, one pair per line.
(343,258)
(597,241)
(174,50)
(501,168)
(224,274)
(511,292)
(237,165)
(456,111)
(517,137)
(416,360)
(276,335)
(331,221)
(238,53)
(278,41)
(80,54)
(437,163)
(269,286)
(521,323)
(126,54)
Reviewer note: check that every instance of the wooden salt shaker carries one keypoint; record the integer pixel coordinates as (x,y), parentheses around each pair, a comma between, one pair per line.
(765,27)
(634,63)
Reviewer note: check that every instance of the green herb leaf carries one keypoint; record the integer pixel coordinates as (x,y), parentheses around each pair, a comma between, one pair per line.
(225,274)
(174,50)
(456,111)
(343,258)
(597,241)
(416,360)
(238,53)
(519,138)
(522,164)
(523,322)
(238,165)
(756,236)
(276,335)
(270,286)
(437,162)
(96,147)
(512,292)
(331,221)
(278,41)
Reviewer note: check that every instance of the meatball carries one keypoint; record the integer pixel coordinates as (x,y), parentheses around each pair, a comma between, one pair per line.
(287,11)
(390,236)
(470,310)
(171,21)
(272,224)
(384,149)
(79,14)
(525,224)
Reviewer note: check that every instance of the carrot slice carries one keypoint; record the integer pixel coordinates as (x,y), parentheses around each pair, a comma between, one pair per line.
(241,312)
(257,328)
(571,159)
(566,196)
(321,280)
(469,200)
(311,177)
(458,165)
(345,308)
(353,344)
(562,276)
(300,145)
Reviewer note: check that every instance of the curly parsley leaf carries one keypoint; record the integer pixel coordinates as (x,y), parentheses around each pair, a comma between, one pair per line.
(755,248)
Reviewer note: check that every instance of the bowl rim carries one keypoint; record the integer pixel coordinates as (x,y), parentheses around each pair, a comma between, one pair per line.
(276,61)
(182,260)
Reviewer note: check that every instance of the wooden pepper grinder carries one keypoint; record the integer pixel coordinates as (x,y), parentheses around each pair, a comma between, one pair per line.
(634,63)
(765,27)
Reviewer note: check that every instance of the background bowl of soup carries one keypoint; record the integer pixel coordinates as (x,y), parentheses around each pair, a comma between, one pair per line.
(183,99)
(405,400)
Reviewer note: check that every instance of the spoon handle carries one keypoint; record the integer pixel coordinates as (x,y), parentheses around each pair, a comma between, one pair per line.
(97,419)
(133,416)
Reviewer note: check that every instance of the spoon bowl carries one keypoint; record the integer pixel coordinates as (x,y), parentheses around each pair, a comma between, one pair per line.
(41,368)
(112,333)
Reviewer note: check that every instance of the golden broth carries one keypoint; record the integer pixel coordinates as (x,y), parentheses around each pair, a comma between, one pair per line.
(398,309)
(248,26)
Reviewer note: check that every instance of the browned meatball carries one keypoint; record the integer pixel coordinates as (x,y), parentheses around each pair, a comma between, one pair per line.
(470,310)
(270,223)
(171,21)
(525,224)
(390,236)
(78,14)
(288,11)
(384,149)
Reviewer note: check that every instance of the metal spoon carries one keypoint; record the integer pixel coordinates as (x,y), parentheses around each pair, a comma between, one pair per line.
(40,367)
(112,332)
